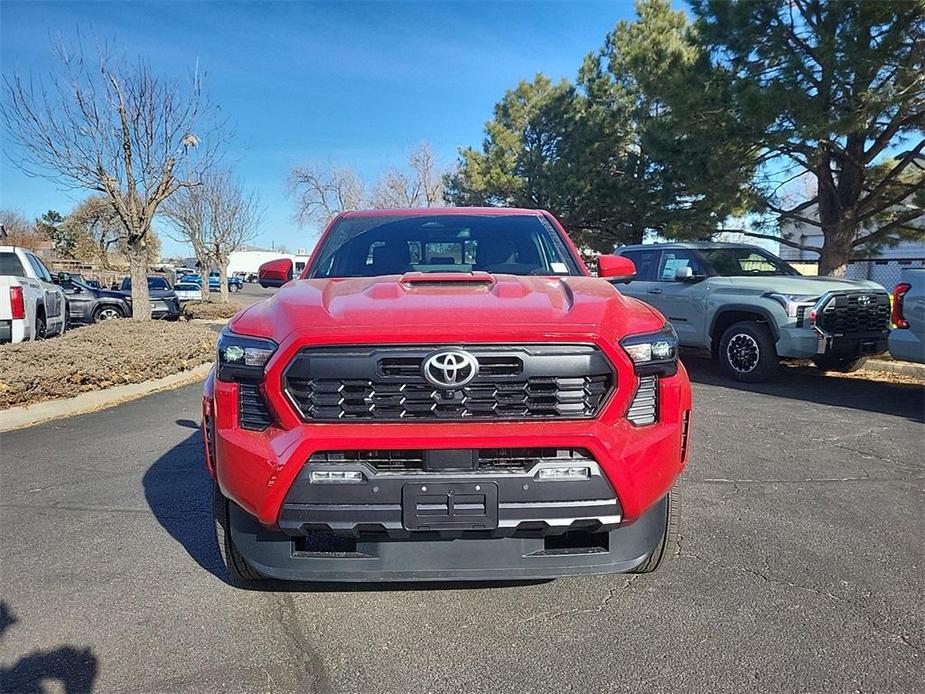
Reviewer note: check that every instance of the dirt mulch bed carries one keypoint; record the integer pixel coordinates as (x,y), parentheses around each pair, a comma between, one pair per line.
(99,356)
(209,310)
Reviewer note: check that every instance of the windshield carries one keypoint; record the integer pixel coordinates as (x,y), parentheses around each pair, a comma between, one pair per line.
(153,283)
(509,244)
(737,262)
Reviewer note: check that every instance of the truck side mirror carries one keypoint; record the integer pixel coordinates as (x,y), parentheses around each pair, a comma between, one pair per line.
(616,268)
(275,273)
(63,278)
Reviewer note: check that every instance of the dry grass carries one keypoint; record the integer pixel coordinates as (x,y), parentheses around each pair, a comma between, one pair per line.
(209,310)
(100,356)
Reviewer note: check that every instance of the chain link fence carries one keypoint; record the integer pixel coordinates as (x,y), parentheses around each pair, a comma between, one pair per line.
(885,272)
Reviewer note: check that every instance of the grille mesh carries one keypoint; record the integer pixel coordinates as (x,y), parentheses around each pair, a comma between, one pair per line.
(855,314)
(512,384)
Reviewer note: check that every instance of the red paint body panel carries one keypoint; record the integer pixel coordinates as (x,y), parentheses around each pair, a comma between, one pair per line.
(256,469)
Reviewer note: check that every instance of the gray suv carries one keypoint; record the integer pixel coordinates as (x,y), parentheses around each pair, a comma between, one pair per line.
(751,309)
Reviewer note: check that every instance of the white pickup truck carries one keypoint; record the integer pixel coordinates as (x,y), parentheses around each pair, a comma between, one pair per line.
(32,307)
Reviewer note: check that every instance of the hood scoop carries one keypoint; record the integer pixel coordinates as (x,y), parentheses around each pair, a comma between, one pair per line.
(447,279)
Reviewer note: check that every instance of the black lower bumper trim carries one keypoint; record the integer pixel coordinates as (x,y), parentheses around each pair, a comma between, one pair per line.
(424,558)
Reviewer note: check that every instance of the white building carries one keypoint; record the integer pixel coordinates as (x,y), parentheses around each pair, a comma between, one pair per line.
(249,261)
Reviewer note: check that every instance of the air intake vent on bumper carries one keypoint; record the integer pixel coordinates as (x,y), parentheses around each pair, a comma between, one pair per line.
(253,412)
(644,408)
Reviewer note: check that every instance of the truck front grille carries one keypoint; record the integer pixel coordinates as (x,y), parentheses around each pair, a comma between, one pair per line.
(387,383)
(855,314)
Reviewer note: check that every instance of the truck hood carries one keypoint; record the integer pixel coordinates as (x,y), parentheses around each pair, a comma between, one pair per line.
(804,286)
(477,304)
(152,294)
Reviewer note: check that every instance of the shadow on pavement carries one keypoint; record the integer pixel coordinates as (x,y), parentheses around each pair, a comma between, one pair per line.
(809,385)
(178,490)
(74,669)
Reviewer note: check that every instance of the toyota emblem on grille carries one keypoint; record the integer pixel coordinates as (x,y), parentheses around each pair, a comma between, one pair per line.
(450,368)
(864,299)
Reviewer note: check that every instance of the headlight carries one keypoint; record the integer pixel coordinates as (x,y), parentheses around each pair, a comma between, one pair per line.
(653,353)
(241,357)
(793,302)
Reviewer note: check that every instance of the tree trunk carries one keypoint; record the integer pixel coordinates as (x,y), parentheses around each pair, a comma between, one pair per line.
(836,250)
(223,280)
(138,271)
(205,266)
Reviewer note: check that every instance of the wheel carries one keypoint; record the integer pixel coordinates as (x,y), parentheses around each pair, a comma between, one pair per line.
(747,352)
(41,328)
(240,572)
(233,288)
(667,547)
(107,313)
(842,365)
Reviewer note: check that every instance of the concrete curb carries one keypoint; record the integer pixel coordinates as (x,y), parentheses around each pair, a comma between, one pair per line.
(900,368)
(210,321)
(30,415)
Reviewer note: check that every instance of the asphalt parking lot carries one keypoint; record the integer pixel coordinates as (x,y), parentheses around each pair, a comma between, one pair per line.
(800,569)
(250,293)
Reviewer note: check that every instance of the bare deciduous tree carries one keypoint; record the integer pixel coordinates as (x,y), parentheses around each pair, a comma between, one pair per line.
(113,126)
(419,185)
(215,218)
(322,192)
(19,231)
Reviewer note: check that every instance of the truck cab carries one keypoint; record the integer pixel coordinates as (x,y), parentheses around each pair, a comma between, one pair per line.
(32,306)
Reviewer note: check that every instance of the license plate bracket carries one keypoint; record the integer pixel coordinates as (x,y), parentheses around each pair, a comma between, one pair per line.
(450,506)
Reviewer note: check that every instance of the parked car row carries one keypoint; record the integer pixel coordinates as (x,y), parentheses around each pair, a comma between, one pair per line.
(90,305)
(214,281)
(35,304)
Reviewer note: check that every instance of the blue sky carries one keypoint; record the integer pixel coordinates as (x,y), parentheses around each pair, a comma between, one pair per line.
(348,82)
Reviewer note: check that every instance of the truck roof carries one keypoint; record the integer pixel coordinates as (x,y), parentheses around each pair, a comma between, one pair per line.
(685,244)
(430,211)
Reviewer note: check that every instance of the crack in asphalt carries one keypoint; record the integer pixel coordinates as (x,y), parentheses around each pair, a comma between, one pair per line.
(287,618)
(611,592)
(859,610)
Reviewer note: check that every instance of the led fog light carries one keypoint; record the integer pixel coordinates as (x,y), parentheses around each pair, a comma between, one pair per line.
(336,476)
(562,474)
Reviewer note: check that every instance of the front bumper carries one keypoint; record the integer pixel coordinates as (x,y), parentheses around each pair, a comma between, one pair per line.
(425,558)
(807,343)
(165,309)
(278,511)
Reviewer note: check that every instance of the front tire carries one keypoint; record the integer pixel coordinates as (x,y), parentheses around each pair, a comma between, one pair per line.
(240,573)
(845,366)
(667,547)
(233,288)
(104,313)
(747,352)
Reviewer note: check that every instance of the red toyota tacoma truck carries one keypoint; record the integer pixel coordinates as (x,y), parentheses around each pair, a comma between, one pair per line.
(445,395)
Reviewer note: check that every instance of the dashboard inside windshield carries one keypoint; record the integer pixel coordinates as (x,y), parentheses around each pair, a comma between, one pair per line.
(393,245)
(739,262)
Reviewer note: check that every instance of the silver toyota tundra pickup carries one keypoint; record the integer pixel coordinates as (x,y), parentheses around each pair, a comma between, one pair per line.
(750,309)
